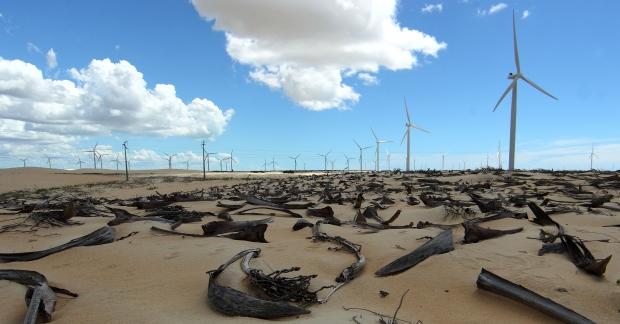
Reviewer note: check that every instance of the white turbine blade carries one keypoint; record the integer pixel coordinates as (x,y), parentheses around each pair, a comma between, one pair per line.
(367,147)
(405,134)
(512,84)
(420,128)
(407,111)
(373,134)
(514,36)
(537,86)
(358,145)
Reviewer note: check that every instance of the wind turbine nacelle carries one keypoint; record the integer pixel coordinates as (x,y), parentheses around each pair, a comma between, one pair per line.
(513,76)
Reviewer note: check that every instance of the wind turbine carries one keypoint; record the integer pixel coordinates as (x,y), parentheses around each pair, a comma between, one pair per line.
(169,158)
(94,151)
(408,126)
(592,156)
(116,160)
(80,162)
(295,159)
(232,160)
(186,165)
(100,157)
(513,86)
(273,163)
(325,157)
(204,172)
(388,158)
(24,160)
(49,160)
(126,162)
(499,155)
(348,159)
(379,142)
(265,165)
(361,152)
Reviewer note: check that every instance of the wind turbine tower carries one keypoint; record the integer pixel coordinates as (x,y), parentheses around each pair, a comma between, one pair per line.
(408,126)
(378,142)
(361,153)
(514,77)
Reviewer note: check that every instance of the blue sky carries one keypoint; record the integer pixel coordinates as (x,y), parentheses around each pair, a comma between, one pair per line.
(570,48)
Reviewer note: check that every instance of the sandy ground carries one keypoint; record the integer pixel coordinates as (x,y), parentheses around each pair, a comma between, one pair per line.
(150,278)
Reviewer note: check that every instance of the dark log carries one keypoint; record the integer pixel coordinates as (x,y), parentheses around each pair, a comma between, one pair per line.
(325,212)
(302,223)
(103,235)
(40,297)
(498,285)
(231,204)
(475,233)
(442,243)
(247,211)
(582,257)
(540,216)
(486,205)
(233,302)
(122,216)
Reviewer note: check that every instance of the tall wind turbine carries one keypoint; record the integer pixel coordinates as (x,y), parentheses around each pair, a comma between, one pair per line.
(126,162)
(513,86)
(94,151)
(408,126)
(378,142)
(361,152)
(295,159)
(100,157)
(80,162)
(204,172)
(24,160)
(325,157)
(592,156)
(169,158)
(49,160)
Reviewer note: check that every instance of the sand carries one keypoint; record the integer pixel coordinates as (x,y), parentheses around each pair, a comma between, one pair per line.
(151,278)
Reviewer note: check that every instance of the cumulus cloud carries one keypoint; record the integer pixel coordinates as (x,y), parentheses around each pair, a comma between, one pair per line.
(305,48)
(525,14)
(493,9)
(50,57)
(430,8)
(102,98)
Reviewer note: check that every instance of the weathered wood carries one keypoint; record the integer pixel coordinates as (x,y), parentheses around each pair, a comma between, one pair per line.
(491,282)
(475,233)
(440,244)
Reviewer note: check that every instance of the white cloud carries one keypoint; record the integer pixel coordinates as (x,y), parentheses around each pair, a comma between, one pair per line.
(430,8)
(32,48)
(117,47)
(367,78)
(304,48)
(525,14)
(52,62)
(106,97)
(493,9)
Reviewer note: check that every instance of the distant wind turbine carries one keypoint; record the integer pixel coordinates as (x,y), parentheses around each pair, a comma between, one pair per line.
(361,152)
(348,159)
(117,161)
(294,158)
(592,156)
(94,151)
(24,160)
(378,142)
(80,162)
(513,86)
(408,126)
(126,162)
(325,157)
(49,160)
(169,158)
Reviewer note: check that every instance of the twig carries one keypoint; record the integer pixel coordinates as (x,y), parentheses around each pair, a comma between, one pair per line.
(394,321)
(372,312)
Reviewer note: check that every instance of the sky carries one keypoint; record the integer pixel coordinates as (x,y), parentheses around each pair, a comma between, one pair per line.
(274,79)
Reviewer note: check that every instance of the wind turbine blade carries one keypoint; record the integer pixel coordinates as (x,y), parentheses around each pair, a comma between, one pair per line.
(420,128)
(407,111)
(405,134)
(537,86)
(358,144)
(514,36)
(373,134)
(512,84)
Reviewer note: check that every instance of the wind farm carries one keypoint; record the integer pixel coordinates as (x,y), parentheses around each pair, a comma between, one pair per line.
(244,165)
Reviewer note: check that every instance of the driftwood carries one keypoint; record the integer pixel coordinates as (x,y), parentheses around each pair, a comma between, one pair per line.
(252,231)
(574,246)
(302,223)
(281,288)
(475,233)
(325,212)
(231,204)
(103,235)
(40,297)
(233,302)
(247,211)
(353,270)
(442,243)
(491,282)
(486,205)
(122,216)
